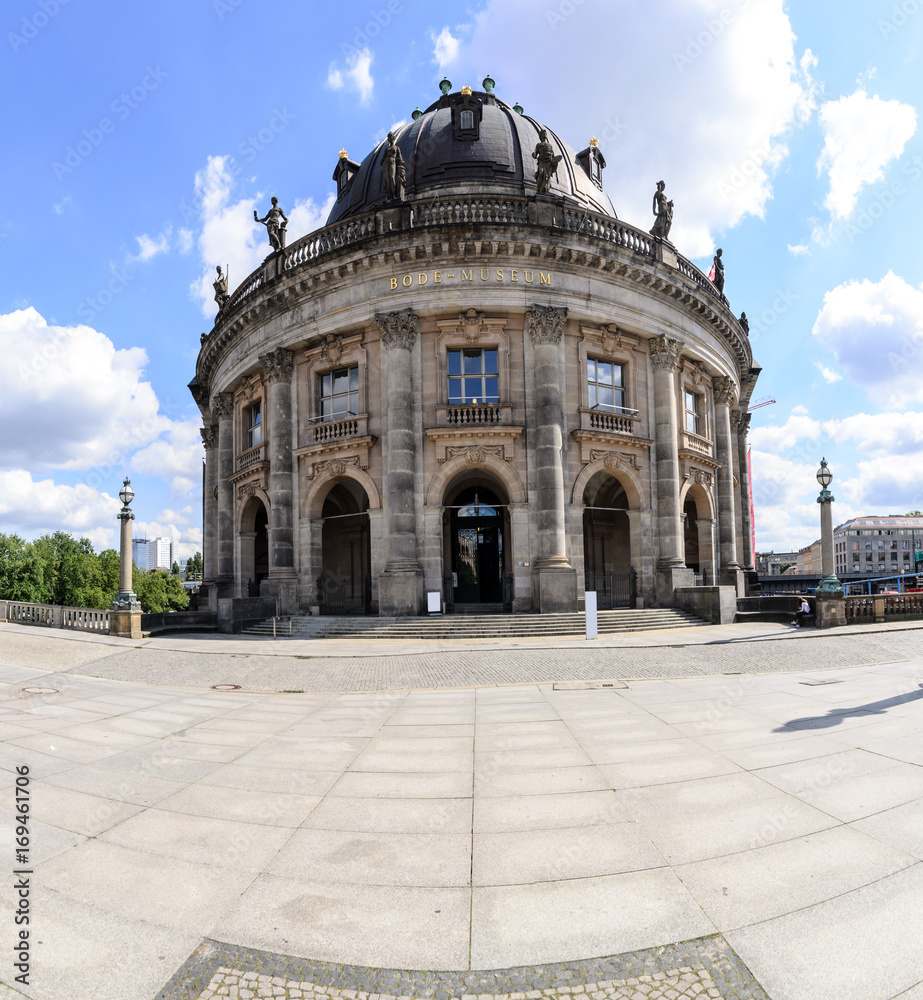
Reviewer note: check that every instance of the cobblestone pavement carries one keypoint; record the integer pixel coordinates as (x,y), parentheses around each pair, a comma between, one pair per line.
(702,968)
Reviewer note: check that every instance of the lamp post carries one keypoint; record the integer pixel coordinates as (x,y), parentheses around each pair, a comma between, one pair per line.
(831,609)
(125,610)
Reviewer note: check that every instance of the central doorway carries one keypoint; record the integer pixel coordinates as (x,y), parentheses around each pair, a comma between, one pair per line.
(476,536)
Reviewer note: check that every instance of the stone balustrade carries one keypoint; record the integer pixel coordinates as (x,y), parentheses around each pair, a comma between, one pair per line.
(603,227)
(449,211)
(324,431)
(55,616)
(473,414)
(697,443)
(252,456)
(883,607)
(611,421)
(324,241)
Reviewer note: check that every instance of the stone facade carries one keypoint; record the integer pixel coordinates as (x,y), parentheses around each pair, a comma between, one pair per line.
(494,394)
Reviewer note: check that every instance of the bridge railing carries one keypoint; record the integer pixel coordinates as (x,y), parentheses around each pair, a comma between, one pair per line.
(55,616)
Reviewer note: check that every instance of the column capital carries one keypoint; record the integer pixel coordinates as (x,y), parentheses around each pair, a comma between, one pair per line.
(209,436)
(723,389)
(222,405)
(399,328)
(279,365)
(740,420)
(664,352)
(546,324)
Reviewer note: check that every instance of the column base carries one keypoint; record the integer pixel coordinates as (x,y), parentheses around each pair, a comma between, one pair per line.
(554,589)
(400,593)
(286,589)
(667,579)
(733,576)
(125,624)
(831,611)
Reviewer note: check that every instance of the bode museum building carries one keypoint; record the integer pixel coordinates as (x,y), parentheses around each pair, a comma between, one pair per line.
(475,381)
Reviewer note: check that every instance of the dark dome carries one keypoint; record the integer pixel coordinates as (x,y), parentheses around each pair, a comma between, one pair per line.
(498,162)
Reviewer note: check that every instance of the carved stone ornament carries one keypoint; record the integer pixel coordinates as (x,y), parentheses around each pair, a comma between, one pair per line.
(471,324)
(222,405)
(399,328)
(209,436)
(546,324)
(723,389)
(741,421)
(249,387)
(279,365)
(701,477)
(698,374)
(665,353)
(251,489)
(610,339)
(615,460)
(475,454)
(332,348)
(336,466)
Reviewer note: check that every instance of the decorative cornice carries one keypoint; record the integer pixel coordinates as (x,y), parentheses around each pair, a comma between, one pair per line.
(723,390)
(546,324)
(399,328)
(664,353)
(209,436)
(223,405)
(279,365)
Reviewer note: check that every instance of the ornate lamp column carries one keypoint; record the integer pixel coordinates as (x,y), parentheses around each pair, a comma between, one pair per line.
(831,607)
(554,580)
(671,566)
(400,587)
(279,365)
(222,571)
(729,572)
(125,610)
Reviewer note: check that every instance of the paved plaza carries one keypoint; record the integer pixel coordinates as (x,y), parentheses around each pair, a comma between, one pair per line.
(731,812)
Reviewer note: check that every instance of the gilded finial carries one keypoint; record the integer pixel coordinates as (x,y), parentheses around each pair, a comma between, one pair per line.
(466,90)
(594,141)
(343,154)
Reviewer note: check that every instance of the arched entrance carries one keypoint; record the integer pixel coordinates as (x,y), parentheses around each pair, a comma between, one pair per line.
(345,583)
(607,542)
(691,534)
(476,540)
(699,533)
(254,546)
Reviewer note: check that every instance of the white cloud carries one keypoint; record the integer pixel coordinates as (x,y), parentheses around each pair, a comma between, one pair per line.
(775,438)
(187,540)
(862,135)
(68,398)
(229,235)
(185,240)
(830,376)
(176,456)
(799,249)
(723,85)
(357,75)
(149,247)
(445,48)
(61,207)
(875,330)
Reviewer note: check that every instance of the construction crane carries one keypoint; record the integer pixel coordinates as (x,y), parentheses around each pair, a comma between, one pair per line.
(765,401)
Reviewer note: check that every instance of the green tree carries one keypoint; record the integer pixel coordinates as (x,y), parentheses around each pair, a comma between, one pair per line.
(175,569)
(67,566)
(160,591)
(21,571)
(194,567)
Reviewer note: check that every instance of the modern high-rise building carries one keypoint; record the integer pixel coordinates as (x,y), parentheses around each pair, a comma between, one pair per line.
(154,553)
(879,546)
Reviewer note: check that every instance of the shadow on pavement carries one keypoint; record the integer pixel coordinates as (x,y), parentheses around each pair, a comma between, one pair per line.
(836,715)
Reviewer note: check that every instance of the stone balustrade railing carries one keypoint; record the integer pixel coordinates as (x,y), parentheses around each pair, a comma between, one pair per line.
(449,211)
(55,616)
(883,607)
(607,420)
(611,230)
(695,442)
(472,414)
(336,430)
(251,457)
(323,241)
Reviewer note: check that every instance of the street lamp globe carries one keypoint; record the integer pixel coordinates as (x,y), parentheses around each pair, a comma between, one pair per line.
(824,475)
(126,494)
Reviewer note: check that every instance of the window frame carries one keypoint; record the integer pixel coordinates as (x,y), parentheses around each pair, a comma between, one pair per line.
(352,390)
(463,377)
(592,386)
(253,430)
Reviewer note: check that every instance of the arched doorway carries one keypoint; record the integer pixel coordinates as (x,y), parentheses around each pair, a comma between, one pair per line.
(691,534)
(699,533)
(607,542)
(254,546)
(345,583)
(476,542)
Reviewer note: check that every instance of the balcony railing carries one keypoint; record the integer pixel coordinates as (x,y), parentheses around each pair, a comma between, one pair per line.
(615,421)
(697,443)
(473,414)
(324,431)
(251,456)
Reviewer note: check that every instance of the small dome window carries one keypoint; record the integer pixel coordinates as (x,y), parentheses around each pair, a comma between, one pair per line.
(466,117)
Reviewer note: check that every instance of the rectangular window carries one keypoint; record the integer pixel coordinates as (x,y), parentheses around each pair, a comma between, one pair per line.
(466,120)
(693,408)
(338,393)
(605,385)
(855,557)
(255,425)
(473,376)
(906,543)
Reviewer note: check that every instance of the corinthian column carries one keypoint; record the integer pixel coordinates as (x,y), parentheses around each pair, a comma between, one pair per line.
(554,580)
(209,516)
(400,588)
(222,409)
(743,426)
(671,568)
(723,389)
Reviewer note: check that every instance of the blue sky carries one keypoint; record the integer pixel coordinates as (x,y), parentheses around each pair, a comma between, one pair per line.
(140,137)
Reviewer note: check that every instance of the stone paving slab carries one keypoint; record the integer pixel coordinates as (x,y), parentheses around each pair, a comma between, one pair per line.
(699,968)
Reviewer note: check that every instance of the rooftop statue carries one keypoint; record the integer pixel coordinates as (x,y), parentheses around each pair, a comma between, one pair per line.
(717,269)
(220,284)
(663,210)
(274,230)
(392,166)
(546,165)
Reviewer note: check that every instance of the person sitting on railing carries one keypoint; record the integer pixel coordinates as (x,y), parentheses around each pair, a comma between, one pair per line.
(804,610)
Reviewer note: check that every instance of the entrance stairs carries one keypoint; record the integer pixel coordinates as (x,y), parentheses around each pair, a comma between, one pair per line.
(490,626)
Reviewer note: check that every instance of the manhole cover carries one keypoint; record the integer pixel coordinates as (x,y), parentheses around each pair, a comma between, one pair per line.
(818,683)
(587,685)
(225,687)
(40,690)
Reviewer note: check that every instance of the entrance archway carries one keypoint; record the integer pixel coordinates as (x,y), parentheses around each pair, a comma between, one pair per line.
(607,542)
(254,546)
(476,542)
(345,583)
(691,534)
